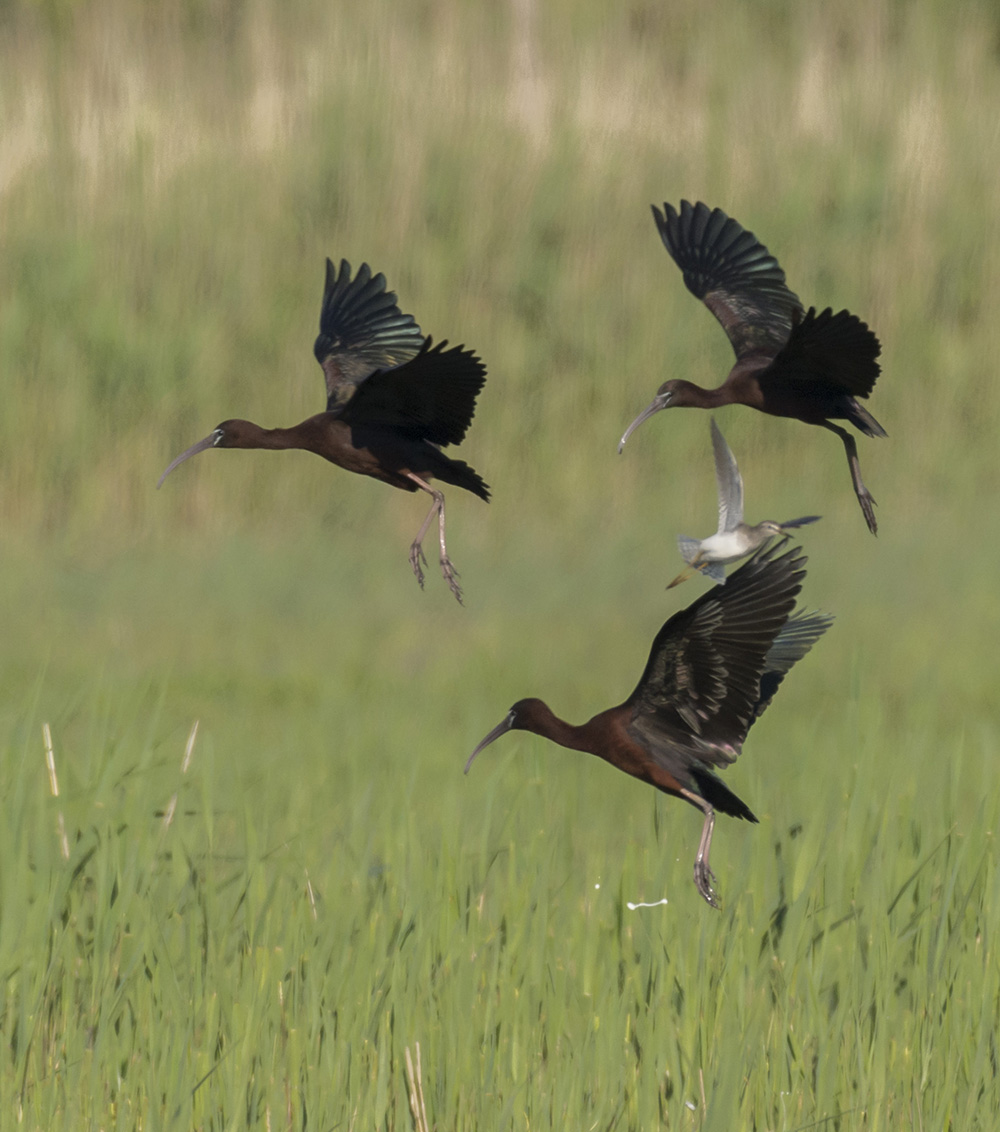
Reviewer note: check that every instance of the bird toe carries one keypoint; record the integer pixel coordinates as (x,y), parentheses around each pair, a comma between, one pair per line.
(868,509)
(416,556)
(451,577)
(703,877)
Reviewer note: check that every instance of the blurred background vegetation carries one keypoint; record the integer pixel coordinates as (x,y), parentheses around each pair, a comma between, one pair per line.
(171,179)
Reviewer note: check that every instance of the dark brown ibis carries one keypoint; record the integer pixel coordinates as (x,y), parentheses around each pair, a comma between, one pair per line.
(713,669)
(393,401)
(789,363)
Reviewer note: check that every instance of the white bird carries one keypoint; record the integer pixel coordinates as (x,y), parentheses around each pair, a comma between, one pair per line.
(734,539)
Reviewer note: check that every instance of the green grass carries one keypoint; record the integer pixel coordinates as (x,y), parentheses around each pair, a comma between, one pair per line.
(852,968)
(329,890)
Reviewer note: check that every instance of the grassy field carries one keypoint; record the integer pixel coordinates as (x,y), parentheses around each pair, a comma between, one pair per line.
(254,924)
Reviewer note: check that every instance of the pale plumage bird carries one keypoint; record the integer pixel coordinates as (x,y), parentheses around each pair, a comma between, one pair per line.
(734,539)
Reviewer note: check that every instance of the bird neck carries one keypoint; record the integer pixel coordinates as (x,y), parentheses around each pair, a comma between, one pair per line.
(757,535)
(545,722)
(281,438)
(251,435)
(689,395)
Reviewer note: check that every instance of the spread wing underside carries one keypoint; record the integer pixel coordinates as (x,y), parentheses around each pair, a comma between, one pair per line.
(798,635)
(836,350)
(430,397)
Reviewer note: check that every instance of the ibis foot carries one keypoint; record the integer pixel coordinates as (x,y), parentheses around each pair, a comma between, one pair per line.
(451,576)
(868,509)
(416,557)
(703,877)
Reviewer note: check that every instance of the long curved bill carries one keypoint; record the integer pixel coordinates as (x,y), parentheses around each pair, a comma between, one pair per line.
(208,442)
(500,729)
(655,406)
(793,523)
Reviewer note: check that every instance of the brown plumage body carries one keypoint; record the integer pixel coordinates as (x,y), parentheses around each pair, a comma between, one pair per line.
(789,362)
(366,451)
(393,399)
(605,735)
(712,670)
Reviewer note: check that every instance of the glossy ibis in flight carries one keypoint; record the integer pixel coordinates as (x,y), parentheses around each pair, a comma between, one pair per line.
(393,401)
(713,669)
(734,539)
(809,366)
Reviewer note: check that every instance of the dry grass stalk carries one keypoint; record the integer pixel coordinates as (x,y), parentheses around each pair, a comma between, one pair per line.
(416,1091)
(168,815)
(50,762)
(312,896)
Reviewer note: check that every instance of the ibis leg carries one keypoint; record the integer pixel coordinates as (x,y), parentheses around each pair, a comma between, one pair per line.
(862,492)
(703,875)
(416,549)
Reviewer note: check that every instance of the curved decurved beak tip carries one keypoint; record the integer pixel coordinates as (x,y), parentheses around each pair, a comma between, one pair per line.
(500,729)
(654,407)
(208,442)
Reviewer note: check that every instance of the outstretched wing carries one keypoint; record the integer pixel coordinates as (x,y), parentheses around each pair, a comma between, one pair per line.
(729,482)
(702,682)
(430,397)
(798,635)
(838,350)
(361,330)
(732,272)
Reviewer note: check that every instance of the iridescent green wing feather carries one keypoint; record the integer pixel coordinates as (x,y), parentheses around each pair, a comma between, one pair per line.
(702,683)
(362,330)
(733,274)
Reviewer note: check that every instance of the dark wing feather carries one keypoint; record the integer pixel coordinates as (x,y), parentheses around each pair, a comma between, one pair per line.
(361,330)
(837,350)
(732,272)
(431,397)
(702,681)
(798,635)
(719,796)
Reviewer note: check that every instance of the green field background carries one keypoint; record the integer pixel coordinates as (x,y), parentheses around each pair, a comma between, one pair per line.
(256,935)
